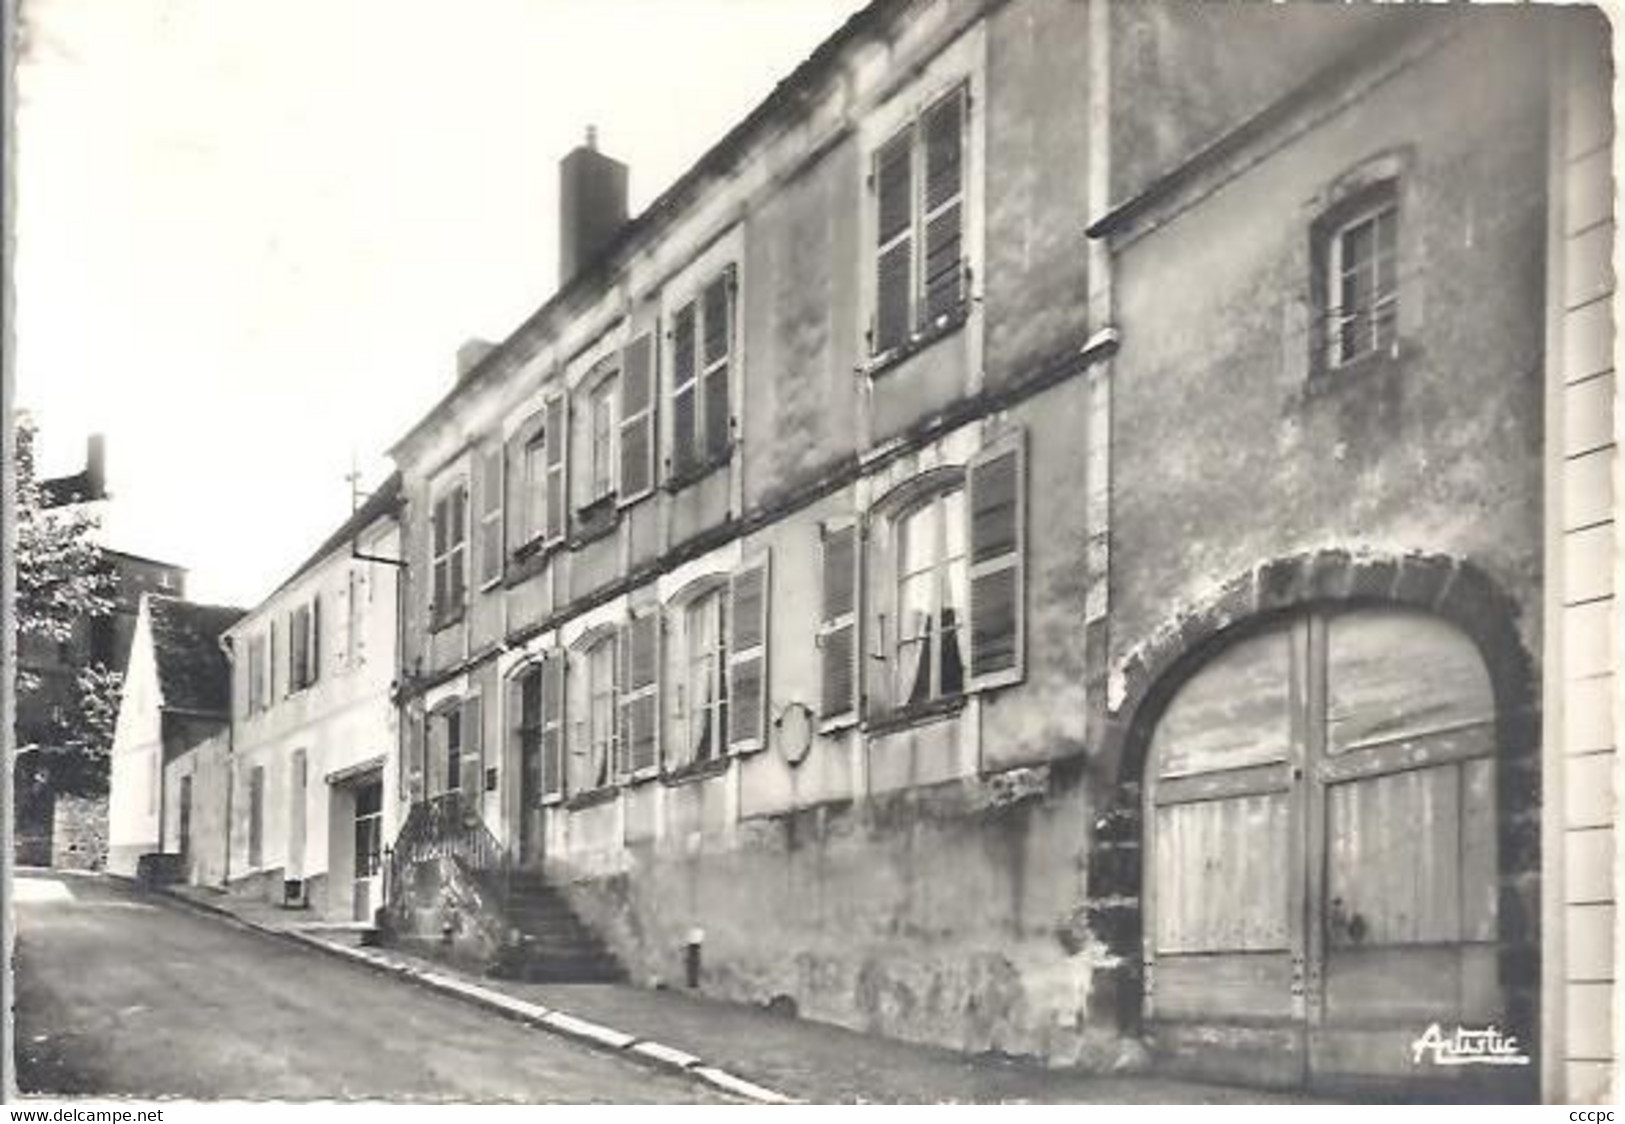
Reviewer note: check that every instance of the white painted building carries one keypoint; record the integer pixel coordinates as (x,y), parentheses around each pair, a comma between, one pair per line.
(313,757)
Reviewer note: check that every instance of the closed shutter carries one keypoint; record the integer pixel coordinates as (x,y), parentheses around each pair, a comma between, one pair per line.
(557,436)
(997,536)
(894,210)
(640,695)
(637,419)
(315,638)
(748,601)
(838,625)
(943,268)
(553,665)
(718,319)
(685,414)
(490,508)
(472,765)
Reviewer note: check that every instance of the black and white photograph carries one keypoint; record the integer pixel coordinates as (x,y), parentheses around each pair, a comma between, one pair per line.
(764,552)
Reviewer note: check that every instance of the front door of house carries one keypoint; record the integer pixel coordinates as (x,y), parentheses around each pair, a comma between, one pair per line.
(184,827)
(369,839)
(1321,858)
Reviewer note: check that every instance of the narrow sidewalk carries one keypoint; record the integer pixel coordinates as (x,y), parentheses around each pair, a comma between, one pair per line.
(745,1050)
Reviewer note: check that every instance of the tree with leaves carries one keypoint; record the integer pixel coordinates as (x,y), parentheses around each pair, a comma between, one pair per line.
(63,582)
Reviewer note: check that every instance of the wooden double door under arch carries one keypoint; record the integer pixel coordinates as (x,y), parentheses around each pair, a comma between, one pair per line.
(1321,879)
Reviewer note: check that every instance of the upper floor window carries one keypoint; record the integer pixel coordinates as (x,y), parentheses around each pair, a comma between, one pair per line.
(453,733)
(1364,281)
(918,183)
(601,440)
(450,556)
(259,688)
(702,350)
(304,645)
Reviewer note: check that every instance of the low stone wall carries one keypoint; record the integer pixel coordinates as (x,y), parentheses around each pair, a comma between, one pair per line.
(953,915)
(79,833)
(446,910)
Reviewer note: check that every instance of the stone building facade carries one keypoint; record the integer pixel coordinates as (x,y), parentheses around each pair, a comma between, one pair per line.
(1041,542)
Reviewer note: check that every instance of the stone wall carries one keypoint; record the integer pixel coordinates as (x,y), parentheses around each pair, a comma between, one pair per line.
(79,833)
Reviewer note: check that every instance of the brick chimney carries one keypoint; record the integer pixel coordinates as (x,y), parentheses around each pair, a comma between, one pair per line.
(96,466)
(592,205)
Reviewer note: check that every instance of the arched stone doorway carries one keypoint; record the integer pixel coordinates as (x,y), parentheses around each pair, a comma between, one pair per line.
(1330,781)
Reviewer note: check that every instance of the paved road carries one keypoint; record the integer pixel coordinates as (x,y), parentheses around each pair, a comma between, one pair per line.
(122,994)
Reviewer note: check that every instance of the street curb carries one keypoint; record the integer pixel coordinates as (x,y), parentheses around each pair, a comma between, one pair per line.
(641,1050)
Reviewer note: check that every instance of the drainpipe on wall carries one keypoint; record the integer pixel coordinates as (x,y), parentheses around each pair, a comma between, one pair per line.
(231,760)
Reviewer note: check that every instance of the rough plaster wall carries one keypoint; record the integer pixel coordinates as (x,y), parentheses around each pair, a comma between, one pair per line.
(948,915)
(800,394)
(1226,457)
(1033,283)
(1173,92)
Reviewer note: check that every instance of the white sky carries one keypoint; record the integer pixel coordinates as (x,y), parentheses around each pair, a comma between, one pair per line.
(253,233)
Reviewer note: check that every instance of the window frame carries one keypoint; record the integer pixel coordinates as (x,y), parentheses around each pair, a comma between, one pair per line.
(450,613)
(911,127)
(1370,191)
(603,390)
(713,597)
(599,746)
(704,459)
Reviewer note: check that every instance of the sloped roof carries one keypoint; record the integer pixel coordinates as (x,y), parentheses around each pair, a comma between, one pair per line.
(193,672)
(382,502)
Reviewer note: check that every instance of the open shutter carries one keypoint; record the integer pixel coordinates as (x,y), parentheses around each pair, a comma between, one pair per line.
(440,521)
(472,765)
(748,600)
(718,347)
(558,441)
(553,665)
(490,509)
(998,542)
(315,638)
(637,419)
(270,667)
(943,272)
(894,233)
(640,695)
(838,625)
(685,415)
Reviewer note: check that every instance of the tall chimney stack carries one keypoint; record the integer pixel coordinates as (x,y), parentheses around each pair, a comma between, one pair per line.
(592,205)
(96,467)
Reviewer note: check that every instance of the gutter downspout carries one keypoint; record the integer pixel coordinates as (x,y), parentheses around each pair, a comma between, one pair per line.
(231,761)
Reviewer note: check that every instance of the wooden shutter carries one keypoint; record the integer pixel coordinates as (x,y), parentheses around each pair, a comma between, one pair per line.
(315,638)
(270,667)
(490,509)
(637,419)
(997,536)
(943,272)
(640,695)
(558,440)
(553,665)
(839,653)
(717,309)
(472,765)
(440,521)
(685,415)
(457,538)
(894,233)
(748,604)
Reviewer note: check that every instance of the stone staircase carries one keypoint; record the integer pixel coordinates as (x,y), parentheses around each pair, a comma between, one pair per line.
(547,942)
